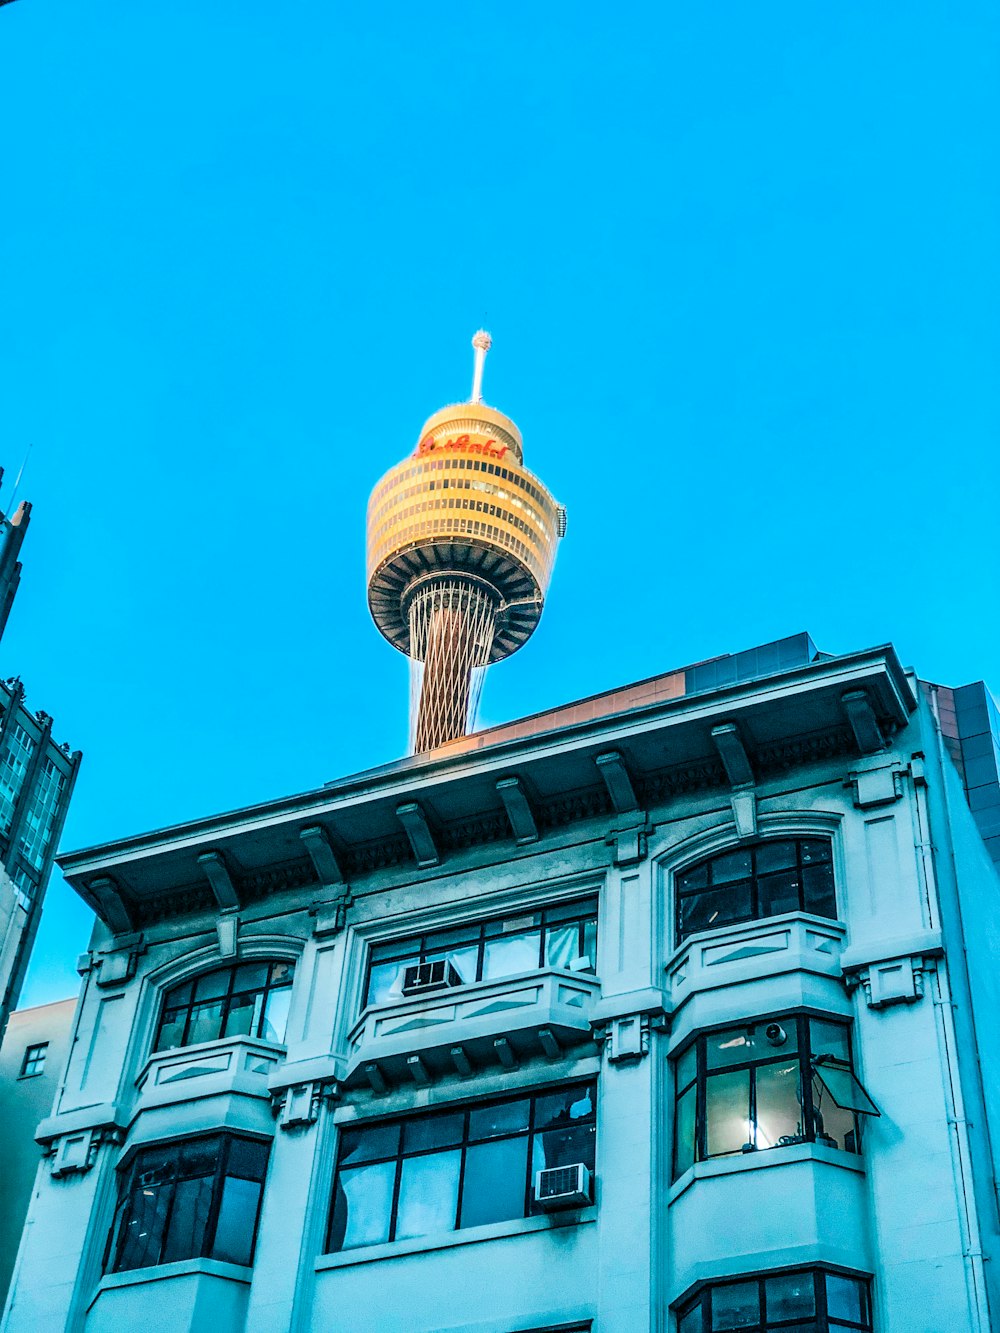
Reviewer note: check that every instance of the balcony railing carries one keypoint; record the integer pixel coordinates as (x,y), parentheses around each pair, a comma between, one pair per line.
(233,1064)
(465,1028)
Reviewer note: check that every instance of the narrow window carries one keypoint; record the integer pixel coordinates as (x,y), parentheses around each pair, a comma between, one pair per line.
(34,1059)
(195,1199)
(803,1301)
(563,936)
(791,875)
(439,1172)
(248,1000)
(769,1085)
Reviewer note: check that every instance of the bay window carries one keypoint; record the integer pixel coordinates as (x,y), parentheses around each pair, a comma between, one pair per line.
(807,1301)
(197,1198)
(245,1000)
(445,1170)
(767,1085)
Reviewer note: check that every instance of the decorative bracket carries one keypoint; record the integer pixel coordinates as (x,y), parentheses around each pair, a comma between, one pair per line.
(112,907)
(117,966)
(223,888)
(519,812)
(631,842)
(736,762)
(863,722)
(298,1105)
(72,1154)
(627,1037)
(898,976)
(611,767)
(330,915)
(878,785)
(417,829)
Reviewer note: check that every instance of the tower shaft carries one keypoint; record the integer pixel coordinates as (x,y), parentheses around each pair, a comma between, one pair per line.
(452,625)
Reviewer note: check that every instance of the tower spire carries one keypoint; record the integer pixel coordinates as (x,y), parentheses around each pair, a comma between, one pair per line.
(482,342)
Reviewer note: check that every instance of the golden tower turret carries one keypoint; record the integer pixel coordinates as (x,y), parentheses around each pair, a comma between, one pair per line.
(461,543)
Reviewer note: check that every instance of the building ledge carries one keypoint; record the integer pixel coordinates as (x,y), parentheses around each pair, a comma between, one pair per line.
(515,1226)
(234,1064)
(135,1277)
(768,1157)
(465,1029)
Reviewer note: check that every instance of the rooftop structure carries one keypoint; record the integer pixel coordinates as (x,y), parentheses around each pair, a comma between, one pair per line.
(461,543)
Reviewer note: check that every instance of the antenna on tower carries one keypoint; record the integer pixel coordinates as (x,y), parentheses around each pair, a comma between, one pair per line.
(17,479)
(482,342)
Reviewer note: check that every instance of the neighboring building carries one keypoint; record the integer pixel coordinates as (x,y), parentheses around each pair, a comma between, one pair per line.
(32,1059)
(36,782)
(673,1009)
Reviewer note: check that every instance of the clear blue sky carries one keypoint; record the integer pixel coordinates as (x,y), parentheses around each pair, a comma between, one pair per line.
(741,267)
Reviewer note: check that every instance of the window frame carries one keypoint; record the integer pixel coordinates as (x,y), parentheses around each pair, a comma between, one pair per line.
(226,998)
(117,1236)
(30,1066)
(821,1317)
(807,1063)
(586,1086)
(478,937)
(681,936)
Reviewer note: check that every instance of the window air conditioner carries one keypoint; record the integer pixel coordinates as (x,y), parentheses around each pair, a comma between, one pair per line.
(423,977)
(562,1187)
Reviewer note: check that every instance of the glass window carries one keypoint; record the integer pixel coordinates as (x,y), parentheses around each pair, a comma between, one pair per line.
(804,1301)
(768,1085)
(781,875)
(34,1059)
(247,1000)
(561,936)
(199,1198)
(433,1173)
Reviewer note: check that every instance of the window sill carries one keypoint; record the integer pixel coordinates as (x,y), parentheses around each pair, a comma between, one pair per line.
(767,1157)
(134,1277)
(517,1226)
(721,933)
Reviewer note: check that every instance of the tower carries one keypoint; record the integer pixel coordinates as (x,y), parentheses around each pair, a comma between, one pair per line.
(461,543)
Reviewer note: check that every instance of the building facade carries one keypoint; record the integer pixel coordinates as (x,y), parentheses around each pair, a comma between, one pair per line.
(36,781)
(670,1011)
(32,1059)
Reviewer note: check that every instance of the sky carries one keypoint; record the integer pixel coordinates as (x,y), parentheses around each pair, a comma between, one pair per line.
(740,266)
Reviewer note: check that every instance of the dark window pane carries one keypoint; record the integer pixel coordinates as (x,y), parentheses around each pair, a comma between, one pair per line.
(199,1157)
(727,1112)
(818,896)
(695,878)
(485,1122)
(234,1231)
(779,1109)
(428,1194)
(790,1296)
(833,1126)
(366,1145)
(242,1011)
(844,1089)
(736,1305)
(816,850)
(362,1206)
(732,866)
(247,1159)
(282,973)
(829,1039)
(206,1022)
(563,1107)
(686,1067)
(494,1184)
(432,1131)
(590,943)
(186,1237)
(715,908)
(778,893)
(731,1046)
(211,985)
(146,1218)
(771,856)
(684,1131)
(563,1147)
(571,911)
(179,995)
(691,1322)
(251,976)
(846,1298)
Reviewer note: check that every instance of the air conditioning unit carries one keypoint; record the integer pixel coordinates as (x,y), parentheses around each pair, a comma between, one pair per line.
(424,977)
(562,1187)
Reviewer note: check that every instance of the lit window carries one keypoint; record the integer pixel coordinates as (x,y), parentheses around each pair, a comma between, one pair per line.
(196,1199)
(439,1172)
(34,1059)
(248,1000)
(778,1082)
(791,875)
(564,936)
(809,1301)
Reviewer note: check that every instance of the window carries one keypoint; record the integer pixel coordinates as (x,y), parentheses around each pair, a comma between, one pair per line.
(248,1000)
(778,1082)
(804,1302)
(34,1059)
(440,1172)
(195,1199)
(793,875)
(563,936)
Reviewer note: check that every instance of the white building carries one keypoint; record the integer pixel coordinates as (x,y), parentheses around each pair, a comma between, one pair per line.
(716,954)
